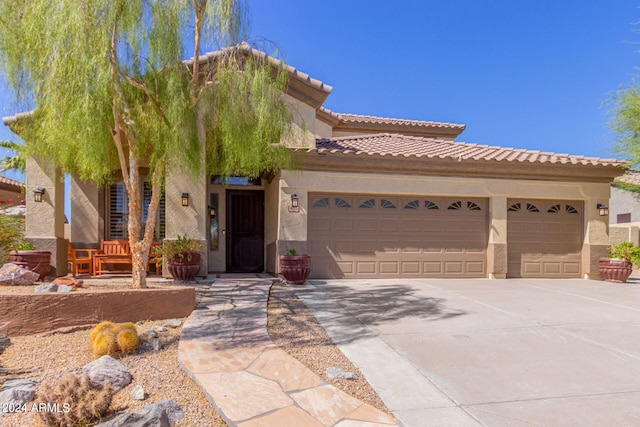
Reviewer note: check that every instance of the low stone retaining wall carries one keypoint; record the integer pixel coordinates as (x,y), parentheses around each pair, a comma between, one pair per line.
(28,314)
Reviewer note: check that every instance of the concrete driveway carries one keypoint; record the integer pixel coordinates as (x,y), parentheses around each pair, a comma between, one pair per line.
(525,352)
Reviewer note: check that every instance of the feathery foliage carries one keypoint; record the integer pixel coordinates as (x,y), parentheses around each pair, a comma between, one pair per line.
(626,121)
(16,162)
(113,94)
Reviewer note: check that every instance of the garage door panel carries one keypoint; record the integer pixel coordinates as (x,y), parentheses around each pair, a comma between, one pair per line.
(365,267)
(546,242)
(411,267)
(395,237)
(366,224)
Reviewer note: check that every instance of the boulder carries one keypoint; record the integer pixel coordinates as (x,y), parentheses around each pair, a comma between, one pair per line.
(164,413)
(65,288)
(160,329)
(11,274)
(17,391)
(107,370)
(46,287)
(156,345)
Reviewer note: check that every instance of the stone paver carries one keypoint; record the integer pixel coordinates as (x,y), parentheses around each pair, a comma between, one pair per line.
(226,350)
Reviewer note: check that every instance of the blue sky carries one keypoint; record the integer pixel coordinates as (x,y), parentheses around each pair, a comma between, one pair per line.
(518,73)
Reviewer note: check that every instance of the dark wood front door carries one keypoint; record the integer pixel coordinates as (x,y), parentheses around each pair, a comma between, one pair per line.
(245,231)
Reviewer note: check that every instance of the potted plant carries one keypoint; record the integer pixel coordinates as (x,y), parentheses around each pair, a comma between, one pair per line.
(295,268)
(182,257)
(26,256)
(619,265)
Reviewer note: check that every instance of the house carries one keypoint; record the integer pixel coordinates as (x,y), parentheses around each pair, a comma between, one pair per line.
(11,192)
(374,197)
(624,209)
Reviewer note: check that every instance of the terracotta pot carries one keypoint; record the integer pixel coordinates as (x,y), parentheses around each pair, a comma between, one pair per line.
(295,268)
(615,269)
(185,269)
(36,261)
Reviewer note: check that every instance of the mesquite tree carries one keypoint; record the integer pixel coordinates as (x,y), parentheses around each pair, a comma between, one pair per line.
(112,93)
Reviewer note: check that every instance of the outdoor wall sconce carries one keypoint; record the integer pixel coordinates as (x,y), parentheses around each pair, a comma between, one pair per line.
(37,194)
(604,210)
(294,204)
(212,212)
(185,199)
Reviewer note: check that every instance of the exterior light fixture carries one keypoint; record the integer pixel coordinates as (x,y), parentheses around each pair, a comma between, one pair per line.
(212,212)
(294,204)
(37,194)
(185,199)
(604,210)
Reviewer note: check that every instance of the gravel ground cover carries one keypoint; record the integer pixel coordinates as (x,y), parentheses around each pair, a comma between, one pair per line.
(48,357)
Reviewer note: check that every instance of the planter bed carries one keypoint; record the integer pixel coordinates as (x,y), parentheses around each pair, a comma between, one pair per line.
(33,313)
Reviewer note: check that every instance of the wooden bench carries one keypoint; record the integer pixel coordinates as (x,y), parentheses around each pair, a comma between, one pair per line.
(112,252)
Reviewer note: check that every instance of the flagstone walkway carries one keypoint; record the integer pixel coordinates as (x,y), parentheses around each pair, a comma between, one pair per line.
(226,350)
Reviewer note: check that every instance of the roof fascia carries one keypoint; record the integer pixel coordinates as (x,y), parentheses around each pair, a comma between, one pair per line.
(467,168)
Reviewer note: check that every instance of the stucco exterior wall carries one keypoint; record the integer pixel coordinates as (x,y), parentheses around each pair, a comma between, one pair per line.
(45,220)
(623,202)
(271,221)
(304,124)
(293,226)
(191,220)
(10,197)
(87,225)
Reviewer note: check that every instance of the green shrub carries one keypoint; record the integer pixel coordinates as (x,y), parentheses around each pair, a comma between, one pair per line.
(181,248)
(11,234)
(626,250)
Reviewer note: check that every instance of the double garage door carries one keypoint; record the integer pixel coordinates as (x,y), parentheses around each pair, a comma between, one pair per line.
(386,236)
(373,236)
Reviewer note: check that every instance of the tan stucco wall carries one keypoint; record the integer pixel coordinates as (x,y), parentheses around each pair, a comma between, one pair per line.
(191,220)
(304,124)
(45,220)
(293,226)
(271,221)
(87,225)
(628,232)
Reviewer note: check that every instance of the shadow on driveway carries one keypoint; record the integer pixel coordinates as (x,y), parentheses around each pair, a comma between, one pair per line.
(361,308)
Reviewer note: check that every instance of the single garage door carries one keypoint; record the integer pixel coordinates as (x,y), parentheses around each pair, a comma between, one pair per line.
(544,238)
(369,236)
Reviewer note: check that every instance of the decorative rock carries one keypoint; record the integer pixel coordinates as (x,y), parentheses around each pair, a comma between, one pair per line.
(173,323)
(160,414)
(137,393)
(46,287)
(156,345)
(160,329)
(5,342)
(17,391)
(339,373)
(11,274)
(140,322)
(69,281)
(65,288)
(107,370)
(150,333)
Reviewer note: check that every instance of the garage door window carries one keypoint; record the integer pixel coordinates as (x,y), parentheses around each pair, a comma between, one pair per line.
(368,204)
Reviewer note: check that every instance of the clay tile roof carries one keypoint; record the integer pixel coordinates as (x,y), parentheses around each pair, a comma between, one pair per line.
(631,177)
(386,144)
(9,181)
(357,118)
